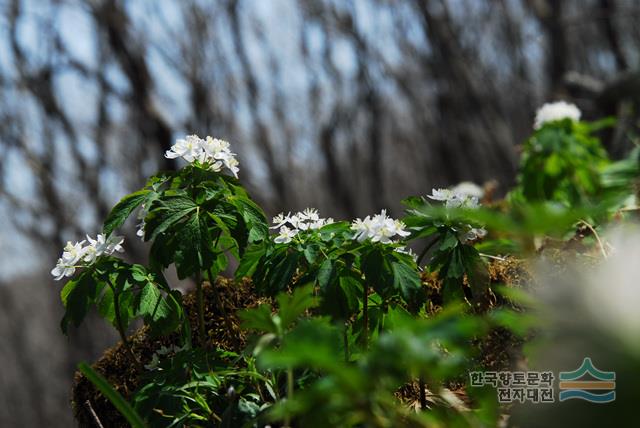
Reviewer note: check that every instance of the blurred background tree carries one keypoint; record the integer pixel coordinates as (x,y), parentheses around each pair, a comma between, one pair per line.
(345,105)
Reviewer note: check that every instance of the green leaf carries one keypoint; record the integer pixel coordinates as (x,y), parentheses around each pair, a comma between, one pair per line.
(193,253)
(168,314)
(106,305)
(405,280)
(341,296)
(77,297)
(123,210)
(291,307)
(125,409)
(311,253)
(250,260)
(253,217)
(325,273)
(148,300)
(259,319)
(378,272)
(165,213)
(281,271)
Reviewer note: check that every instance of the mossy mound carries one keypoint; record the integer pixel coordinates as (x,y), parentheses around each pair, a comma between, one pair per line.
(92,409)
(90,406)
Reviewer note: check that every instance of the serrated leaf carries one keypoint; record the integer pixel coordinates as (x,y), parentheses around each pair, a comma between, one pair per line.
(123,210)
(259,319)
(292,306)
(166,212)
(253,217)
(250,260)
(405,280)
(148,300)
(341,297)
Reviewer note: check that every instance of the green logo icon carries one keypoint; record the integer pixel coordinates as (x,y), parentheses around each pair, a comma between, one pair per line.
(573,387)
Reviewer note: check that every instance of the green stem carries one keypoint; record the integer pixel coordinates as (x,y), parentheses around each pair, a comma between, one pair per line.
(346,341)
(121,331)
(200,302)
(287,420)
(365,317)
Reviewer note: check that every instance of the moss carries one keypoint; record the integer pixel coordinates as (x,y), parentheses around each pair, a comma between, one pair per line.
(122,374)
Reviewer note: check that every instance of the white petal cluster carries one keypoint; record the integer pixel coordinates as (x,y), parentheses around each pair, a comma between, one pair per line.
(378,228)
(83,253)
(464,195)
(452,198)
(552,112)
(468,188)
(212,152)
(291,225)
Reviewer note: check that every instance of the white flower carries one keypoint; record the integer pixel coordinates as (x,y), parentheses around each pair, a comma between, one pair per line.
(61,270)
(298,222)
(440,194)
(290,225)
(72,253)
(309,214)
(285,235)
(280,220)
(467,188)
(76,255)
(552,112)
(211,152)
(363,228)
(320,223)
(102,245)
(140,230)
(453,199)
(378,228)
(188,148)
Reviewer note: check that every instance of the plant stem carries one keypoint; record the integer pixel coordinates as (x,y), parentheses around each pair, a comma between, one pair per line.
(287,420)
(346,341)
(200,302)
(423,396)
(365,317)
(121,331)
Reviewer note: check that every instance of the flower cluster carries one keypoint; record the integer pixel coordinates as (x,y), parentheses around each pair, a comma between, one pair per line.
(552,112)
(454,198)
(378,228)
(291,225)
(212,152)
(464,195)
(78,254)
